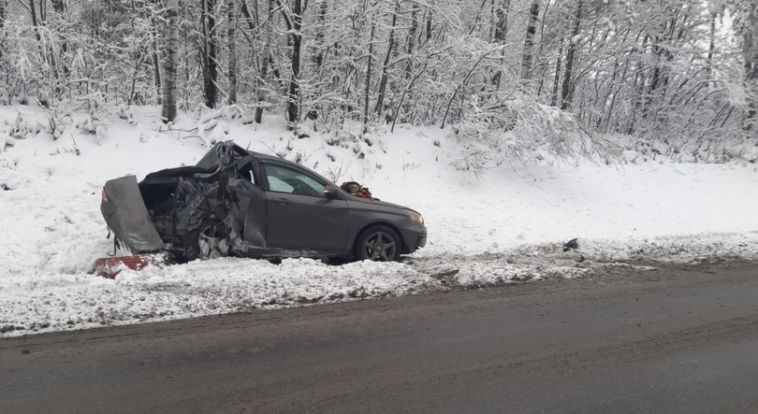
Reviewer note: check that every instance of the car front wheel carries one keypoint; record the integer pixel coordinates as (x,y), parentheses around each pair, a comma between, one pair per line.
(378,243)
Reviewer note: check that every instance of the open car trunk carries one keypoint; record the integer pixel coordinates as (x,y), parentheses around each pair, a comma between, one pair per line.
(213,209)
(126,215)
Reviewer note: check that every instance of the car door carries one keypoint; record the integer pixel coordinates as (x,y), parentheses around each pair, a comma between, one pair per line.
(299,215)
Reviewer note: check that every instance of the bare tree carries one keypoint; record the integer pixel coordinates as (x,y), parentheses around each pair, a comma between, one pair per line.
(557,74)
(169,86)
(318,58)
(209,53)
(370,60)
(231,35)
(3,7)
(711,44)
(390,46)
(261,80)
(501,31)
(156,59)
(567,90)
(59,7)
(531,29)
(429,17)
(750,49)
(294,20)
(35,24)
(411,42)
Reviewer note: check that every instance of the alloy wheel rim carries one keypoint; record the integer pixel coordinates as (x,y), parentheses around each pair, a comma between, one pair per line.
(380,246)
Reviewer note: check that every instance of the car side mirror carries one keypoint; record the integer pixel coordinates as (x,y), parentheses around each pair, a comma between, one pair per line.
(330,193)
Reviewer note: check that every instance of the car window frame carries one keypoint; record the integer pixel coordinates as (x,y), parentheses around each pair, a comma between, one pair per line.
(256,170)
(267,187)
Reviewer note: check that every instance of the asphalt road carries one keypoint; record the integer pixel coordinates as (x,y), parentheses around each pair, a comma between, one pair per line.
(675,340)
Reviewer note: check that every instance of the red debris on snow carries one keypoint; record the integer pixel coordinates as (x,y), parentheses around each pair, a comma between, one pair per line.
(110,267)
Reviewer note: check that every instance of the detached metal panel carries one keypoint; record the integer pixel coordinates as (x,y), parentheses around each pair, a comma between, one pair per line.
(126,215)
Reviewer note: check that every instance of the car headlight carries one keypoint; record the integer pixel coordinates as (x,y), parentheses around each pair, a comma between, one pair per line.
(418,218)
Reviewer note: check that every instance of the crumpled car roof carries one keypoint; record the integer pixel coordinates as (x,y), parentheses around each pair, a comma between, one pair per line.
(222,153)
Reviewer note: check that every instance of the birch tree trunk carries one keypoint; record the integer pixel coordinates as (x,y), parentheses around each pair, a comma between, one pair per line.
(209,53)
(261,83)
(156,61)
(231,35)
(531,29)
(169,86)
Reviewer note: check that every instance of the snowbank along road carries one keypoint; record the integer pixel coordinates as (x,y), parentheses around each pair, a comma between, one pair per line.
(679,339)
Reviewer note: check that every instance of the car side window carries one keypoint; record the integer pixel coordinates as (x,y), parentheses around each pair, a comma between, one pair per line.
(279,186)
(283,179)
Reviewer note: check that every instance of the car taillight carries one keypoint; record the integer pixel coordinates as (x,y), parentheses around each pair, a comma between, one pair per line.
(105,196)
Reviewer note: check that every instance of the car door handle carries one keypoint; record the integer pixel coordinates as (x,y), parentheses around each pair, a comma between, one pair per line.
(280,200)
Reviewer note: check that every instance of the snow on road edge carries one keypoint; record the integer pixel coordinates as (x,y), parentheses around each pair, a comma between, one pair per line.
(65,302)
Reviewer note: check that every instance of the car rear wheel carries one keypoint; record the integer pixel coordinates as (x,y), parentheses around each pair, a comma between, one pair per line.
(378,243)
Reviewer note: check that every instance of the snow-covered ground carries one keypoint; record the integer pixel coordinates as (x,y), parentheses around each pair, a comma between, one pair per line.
(506,224)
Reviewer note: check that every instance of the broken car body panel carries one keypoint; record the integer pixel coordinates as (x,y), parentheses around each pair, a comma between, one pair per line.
(128,218)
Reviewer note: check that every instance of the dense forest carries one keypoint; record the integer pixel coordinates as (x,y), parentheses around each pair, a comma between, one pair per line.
(663,70)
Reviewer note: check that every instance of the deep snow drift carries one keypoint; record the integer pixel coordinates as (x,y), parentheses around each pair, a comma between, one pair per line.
(479,226)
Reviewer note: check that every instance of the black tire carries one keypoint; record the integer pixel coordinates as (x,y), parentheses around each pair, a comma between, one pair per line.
(378,243)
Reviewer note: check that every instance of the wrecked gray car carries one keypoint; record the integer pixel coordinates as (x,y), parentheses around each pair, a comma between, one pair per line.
(240,203)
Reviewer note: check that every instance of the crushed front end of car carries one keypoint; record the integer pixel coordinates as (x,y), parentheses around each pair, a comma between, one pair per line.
(189,212)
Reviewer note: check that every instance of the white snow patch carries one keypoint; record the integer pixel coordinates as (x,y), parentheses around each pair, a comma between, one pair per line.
(54,302)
